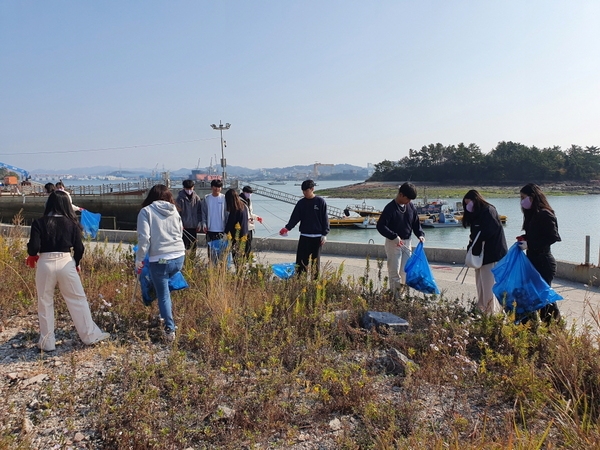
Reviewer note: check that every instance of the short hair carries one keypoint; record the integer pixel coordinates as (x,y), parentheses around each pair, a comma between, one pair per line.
(216,183)
(49,188)
(307,184)
(248,189)
(408,190)
(158,192)
(59,185)
(188,184)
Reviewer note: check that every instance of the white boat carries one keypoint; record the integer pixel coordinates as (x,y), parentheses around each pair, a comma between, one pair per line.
(442,220)
(368,222)
(276,183)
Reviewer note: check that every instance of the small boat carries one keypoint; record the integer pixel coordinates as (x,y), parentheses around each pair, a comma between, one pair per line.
(368,222)
(363,210)
(346,222)
(276,183)
(442,220)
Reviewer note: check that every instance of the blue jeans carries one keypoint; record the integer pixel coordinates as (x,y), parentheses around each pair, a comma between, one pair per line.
(160,274)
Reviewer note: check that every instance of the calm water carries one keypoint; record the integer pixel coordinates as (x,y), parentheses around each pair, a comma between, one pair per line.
(577,217)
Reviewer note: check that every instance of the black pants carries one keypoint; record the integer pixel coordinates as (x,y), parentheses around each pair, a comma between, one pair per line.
(248,247)
(545,264)
(309,252)
(190,236)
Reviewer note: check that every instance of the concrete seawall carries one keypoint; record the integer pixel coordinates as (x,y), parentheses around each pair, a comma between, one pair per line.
(580,273)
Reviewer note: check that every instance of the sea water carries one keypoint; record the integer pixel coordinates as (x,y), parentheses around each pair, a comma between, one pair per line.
(577,217)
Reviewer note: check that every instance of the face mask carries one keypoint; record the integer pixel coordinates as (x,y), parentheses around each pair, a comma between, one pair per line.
(526,203)
(189,191)
(469,207)
(247,194)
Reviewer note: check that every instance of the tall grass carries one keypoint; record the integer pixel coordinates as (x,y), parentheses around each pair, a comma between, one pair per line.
(259,360)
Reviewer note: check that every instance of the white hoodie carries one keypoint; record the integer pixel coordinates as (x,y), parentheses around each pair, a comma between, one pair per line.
(159,231)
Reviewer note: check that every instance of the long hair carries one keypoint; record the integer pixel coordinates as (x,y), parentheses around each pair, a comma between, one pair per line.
(158,192)
(59,204)
(478,203)
(538,202)
(233,201)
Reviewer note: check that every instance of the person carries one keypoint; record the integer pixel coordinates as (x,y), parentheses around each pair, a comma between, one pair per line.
(59,186)
(245,195)
(311,212)
(51,241)
(541,231)
(236,227)
(159,233)
(49,188)
(398,220)
(214,215)
(482,218)
(190,210)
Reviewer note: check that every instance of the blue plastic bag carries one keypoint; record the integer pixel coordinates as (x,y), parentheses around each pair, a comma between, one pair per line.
(91,223)
(418,272)
(519,285)
(176,282)
(284,270)
(218,249)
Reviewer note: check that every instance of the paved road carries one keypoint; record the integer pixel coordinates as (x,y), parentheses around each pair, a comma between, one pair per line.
(581,303)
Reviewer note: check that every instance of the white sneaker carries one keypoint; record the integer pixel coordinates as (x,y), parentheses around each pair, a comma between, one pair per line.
(102,337)
(169,336)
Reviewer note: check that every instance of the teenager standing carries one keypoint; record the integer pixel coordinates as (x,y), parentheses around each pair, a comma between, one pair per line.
(488,234)
(52,238)
(311,212)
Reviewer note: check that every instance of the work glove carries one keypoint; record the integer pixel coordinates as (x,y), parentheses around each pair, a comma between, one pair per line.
(422,238)
(399,242)
(283,231)
(139,265)
(31,261)
(523,245)
(323,240)
(78,268)
(259,219)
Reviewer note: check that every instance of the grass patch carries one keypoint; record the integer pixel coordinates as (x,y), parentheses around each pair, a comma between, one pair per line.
(265,362)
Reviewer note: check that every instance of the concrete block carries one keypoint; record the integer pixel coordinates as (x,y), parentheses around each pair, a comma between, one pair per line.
(383,321)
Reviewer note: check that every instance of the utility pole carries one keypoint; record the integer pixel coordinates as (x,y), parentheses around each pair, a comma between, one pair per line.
(222,127)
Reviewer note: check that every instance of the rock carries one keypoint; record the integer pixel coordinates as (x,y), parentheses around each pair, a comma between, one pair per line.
(27,426)
(12,376)
(335,424)
(78,437)
(224,412)
(33,380)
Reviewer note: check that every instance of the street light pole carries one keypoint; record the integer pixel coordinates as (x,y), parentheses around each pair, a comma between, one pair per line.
(222,127)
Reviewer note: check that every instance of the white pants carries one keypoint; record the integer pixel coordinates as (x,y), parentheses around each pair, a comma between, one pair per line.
(486,300)
(396,260)
(59,268)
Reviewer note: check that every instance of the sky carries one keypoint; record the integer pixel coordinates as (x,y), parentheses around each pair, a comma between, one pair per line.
(135,84)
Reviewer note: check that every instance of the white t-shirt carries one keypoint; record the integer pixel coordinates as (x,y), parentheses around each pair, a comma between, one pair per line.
(216,213)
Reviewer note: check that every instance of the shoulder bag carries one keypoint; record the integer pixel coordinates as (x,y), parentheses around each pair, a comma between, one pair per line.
(474,261)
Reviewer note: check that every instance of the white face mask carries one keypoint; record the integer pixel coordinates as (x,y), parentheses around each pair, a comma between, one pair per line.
(526,203)
(247,194)
(189,191)
(469,206)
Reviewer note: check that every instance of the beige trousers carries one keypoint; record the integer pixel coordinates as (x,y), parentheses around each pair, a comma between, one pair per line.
(484,281)
(59,268)
(396,260)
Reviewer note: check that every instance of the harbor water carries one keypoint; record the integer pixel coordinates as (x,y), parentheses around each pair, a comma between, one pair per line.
(577,217)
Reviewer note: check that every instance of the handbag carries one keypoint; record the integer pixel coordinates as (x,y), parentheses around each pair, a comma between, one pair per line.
(474,261)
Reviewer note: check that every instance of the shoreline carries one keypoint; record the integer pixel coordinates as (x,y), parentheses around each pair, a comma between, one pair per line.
(388,189)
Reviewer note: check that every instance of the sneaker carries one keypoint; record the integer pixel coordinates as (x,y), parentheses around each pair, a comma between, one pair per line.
(102,337)
(169,336)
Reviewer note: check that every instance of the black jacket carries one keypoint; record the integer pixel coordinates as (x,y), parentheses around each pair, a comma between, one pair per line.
(312,215)
(55,234)
(487,221)
(396,221)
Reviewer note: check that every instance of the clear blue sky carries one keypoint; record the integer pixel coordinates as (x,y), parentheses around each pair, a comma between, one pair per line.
(299,81)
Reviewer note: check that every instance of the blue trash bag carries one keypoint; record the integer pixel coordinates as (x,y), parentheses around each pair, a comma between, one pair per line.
(284,270)
(418,272)
(519,285)
(90,222)
(176,282)
(219,249)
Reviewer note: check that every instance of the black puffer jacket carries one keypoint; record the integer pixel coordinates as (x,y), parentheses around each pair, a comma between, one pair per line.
(488,222)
